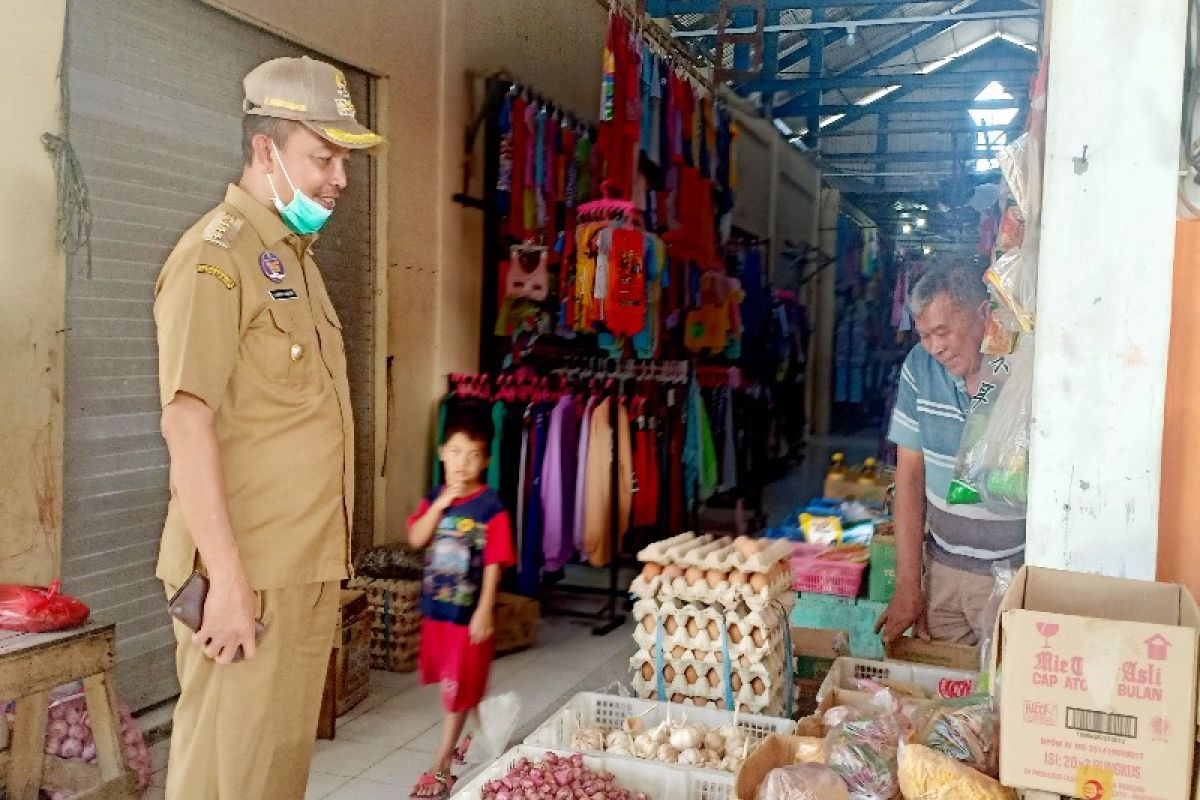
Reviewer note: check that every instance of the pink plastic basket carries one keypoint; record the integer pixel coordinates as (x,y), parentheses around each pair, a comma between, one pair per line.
(822,576)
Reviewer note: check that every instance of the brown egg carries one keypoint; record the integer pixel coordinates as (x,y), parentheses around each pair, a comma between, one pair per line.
(669,673)
(758,686)
(715,578)
(713,630)
(736,681)
(714,678)
(671,625)
(744,662)
(651,570)
(758,582)
(693,575)
(735,633)
(737,578)
(720,657)
(648,623)
(678,651)
(721,704)
(693,627)
(699,701)
(690,675)
(672,571)
(677,698)
(647,672)
(757,636)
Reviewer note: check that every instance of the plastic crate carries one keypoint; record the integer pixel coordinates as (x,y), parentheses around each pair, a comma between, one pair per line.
(825,576)
(936,682)
(589,710)
(656,781)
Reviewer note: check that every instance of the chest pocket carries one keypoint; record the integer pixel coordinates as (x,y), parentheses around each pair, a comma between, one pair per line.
(332,342)
(281,345)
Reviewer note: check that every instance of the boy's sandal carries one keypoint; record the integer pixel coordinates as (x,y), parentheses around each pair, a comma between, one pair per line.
(460,753)
(433,786)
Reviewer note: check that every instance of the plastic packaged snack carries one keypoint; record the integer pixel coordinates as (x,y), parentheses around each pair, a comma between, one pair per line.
(966,729)
(926,774)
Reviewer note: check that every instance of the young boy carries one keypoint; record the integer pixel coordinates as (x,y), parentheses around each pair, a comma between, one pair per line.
(469,539)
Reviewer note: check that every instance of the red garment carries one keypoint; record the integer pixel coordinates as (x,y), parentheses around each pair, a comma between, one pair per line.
(520,145)
(645,467)
(447,655)
(625,305)
(619,138)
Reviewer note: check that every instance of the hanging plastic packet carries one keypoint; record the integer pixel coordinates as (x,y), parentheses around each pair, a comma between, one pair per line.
(863,748)
(1002,575)
(967,729)
(993,461)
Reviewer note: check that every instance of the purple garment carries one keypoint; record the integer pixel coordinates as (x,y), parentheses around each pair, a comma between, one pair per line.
(559,473)
(581,475)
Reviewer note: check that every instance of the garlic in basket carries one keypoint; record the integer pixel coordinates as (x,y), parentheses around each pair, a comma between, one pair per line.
(687,737)
(667,754)
(691,756)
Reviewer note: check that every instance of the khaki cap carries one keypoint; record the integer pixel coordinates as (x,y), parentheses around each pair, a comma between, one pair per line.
(311,92)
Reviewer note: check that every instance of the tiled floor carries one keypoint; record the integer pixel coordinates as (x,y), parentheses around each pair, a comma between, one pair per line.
(385,743)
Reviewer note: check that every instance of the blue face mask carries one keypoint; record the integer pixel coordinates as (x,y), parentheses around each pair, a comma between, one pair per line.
(303,215)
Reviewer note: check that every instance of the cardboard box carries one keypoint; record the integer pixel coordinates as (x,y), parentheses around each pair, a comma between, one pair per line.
(881,581)
(842,614)
(850,489)
(516,621)
(936,654)
(777,750)
(815,650)
(1097,686)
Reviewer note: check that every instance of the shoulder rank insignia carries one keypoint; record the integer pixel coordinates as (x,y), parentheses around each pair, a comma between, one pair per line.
(218,273)
(222,230)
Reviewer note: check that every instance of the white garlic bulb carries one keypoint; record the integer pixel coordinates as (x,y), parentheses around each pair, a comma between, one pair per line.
(618,740)
(691,756)
(644,746)
(633,726)
(667,754)
(686,737)
(714,743)
(588,739)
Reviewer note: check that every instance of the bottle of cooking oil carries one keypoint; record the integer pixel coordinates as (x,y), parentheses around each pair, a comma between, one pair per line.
(837,467)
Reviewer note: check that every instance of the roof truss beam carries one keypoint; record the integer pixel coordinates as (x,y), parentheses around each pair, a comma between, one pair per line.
(932,80)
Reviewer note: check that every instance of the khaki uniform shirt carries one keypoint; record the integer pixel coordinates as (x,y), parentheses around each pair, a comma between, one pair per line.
(245,325)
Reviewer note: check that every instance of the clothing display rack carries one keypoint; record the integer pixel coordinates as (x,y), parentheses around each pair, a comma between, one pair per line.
(617,373)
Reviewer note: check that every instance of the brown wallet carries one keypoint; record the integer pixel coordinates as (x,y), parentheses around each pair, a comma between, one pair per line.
(187,606)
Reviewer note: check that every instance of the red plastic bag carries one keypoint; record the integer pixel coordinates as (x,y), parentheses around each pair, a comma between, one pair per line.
(34,610)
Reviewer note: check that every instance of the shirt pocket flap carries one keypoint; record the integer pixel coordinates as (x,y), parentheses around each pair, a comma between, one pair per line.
(330,313)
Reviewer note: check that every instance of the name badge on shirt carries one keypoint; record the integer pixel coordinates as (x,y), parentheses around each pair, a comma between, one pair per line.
(283,294)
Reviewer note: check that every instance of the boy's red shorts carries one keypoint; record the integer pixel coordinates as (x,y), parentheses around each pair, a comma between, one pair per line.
(449,658)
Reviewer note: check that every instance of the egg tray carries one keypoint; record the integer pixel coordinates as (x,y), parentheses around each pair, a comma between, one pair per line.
(770,704)
(708,553)
(743,626)
(769,670)
(769,685)
(725,594)
(712,654)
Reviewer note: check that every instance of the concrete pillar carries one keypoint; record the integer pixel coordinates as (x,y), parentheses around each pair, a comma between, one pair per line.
(1104,284)
(824,311)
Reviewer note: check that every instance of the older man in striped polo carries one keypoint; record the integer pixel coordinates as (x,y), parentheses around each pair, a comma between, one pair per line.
(945,553)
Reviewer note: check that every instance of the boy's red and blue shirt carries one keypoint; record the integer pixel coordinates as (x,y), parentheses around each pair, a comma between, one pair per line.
(472,534)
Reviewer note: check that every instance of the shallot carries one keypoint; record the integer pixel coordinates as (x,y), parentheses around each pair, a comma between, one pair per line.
(555,777)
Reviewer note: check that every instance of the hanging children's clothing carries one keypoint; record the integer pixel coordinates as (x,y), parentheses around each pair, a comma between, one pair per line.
(559,474)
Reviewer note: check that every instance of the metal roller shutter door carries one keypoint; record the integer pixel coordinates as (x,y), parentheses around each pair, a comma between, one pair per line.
(155,120)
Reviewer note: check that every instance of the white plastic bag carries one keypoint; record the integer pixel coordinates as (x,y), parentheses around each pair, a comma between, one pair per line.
(803,782)
(497,719)
(1002,575)
(993,460)
(1012,279)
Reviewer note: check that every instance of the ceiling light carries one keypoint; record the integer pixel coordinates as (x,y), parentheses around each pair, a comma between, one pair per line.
(852,35)
(927,250)
(906,228)
(920,222)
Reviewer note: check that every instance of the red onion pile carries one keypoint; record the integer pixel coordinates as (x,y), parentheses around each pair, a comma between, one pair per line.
(69,736)
(556,778)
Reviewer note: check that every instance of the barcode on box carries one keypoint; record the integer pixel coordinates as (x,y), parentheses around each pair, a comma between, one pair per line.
(1079,719)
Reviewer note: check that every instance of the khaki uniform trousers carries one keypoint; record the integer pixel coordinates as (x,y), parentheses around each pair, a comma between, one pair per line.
(247,730)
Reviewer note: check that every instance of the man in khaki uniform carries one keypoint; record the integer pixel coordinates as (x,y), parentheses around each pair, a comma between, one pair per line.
(256,415)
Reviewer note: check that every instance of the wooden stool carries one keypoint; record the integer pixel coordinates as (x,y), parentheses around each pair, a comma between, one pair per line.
(31,664)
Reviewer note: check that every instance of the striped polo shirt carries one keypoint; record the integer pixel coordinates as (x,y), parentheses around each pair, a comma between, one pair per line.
(930,414)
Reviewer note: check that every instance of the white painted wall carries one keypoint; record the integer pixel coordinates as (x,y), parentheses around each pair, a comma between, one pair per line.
(1104,288)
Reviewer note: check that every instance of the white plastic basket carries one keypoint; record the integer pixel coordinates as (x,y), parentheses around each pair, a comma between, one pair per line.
(656,781)
(590,710)
(936,682)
